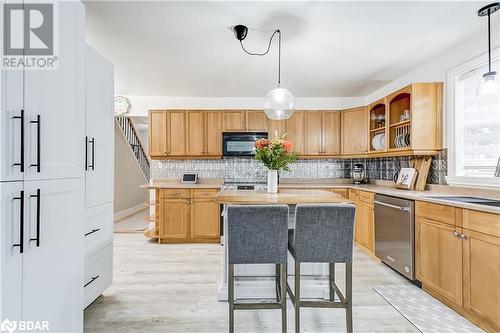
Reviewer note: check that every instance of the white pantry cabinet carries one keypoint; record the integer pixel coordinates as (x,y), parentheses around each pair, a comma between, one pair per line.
(54,105)
(11,257)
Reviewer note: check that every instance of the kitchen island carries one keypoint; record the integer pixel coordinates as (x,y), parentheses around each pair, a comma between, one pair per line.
(257,281)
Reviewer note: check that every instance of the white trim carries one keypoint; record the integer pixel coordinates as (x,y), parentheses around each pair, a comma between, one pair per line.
(449,134)
(473,181)
(128,212)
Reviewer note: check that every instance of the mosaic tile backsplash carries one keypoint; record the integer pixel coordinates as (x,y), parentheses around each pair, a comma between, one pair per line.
(249,170)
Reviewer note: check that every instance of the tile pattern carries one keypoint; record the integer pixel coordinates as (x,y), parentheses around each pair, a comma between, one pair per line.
(249,170)
(424,311)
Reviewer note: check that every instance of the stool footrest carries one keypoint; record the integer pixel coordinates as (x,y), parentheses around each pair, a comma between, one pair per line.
(322,304)
(257,306)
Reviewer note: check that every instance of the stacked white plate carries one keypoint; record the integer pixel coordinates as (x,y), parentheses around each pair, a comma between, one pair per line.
(378,141)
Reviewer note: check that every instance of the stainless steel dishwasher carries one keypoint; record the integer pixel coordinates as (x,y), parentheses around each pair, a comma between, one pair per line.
(394,233)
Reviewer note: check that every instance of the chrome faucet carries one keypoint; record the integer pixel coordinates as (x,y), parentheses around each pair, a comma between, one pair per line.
(497,171)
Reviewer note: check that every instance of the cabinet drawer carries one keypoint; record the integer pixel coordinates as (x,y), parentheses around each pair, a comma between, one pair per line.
(366,197)
(439,213)
(205,193)
(98,274)
(486,223)
(174,193)
(98,230)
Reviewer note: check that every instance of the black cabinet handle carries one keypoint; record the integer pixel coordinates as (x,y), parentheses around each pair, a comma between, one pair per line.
(21,223)
(92,142)
(91,280)
(38,143)
(37,196)
(21,117)
(91,232)
(86,153)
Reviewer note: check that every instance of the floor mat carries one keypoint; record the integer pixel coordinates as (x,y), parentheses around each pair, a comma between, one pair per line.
(424,311)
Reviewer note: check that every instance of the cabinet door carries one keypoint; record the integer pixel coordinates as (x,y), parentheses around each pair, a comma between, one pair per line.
(213,130)
(11,259)
(174,218)
(205,221)
(331,132)
(353,195)
(157,126)
(354,131)
(367,238)
(439,256)
(176,125)
(234,121)
(99,127)
(195,133)
(54,103)
(295,131)
(312,133)
(481,257)
(256,121)
(11,125)
(276,128)
(53,268)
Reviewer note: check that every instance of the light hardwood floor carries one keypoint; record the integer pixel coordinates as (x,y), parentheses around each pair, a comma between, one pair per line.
(172,288)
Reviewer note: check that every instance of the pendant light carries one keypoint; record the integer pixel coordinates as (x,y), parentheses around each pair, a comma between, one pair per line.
(488,85)
(279,102)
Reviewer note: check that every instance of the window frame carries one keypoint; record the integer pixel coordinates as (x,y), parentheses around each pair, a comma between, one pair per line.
(451,75)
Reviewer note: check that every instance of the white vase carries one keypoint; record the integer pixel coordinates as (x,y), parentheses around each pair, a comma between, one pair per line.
(272,181)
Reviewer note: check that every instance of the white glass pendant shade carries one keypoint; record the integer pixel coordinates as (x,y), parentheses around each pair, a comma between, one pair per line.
(279,104)
(488,86)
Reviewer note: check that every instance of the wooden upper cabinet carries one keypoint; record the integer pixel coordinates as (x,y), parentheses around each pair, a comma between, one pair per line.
(295,131)
(195,133)
(331,132)
(213,133)
(313,133)
(276,128)
(439,259)
(234,121)
(255,121)
(354,131)
(176,133)
(157,125)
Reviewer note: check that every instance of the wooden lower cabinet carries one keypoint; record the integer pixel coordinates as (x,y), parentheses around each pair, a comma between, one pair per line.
(205,217)
(481,277)
(193,218)
(439,263)
(367,226)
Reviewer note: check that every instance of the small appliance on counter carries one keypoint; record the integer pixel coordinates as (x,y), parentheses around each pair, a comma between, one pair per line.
(358,174)
(189,178)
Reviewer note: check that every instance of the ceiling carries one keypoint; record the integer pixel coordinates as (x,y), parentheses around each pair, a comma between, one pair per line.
(329,49)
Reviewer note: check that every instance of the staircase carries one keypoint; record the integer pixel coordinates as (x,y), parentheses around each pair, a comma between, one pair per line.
(135,144)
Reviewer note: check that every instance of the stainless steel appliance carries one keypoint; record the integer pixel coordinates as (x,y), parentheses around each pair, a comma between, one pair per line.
(240,143)
(243,186)
(394,233)
(358,174)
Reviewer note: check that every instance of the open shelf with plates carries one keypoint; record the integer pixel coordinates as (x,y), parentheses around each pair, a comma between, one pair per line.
(400,119)
(377,113)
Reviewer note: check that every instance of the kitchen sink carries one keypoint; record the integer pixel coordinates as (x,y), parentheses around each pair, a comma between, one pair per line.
(472,200)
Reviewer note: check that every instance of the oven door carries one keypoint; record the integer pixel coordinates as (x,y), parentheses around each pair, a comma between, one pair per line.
(241,144)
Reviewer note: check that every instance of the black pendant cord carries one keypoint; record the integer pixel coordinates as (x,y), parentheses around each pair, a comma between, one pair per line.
(489,43)
(267,51)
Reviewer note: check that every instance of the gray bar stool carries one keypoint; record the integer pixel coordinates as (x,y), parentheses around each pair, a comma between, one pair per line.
(257,234)
(323,233)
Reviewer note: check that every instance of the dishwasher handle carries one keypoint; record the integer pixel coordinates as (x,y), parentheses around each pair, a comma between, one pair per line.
(404,209)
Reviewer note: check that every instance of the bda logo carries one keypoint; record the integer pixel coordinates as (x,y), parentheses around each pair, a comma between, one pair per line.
(8,325)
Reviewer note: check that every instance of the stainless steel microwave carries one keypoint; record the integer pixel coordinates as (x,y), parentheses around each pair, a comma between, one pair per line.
(240,143)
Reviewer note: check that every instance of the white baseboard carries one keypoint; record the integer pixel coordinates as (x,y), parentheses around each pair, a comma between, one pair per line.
(128,212)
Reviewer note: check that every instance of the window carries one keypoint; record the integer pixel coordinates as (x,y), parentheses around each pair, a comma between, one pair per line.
(474,142)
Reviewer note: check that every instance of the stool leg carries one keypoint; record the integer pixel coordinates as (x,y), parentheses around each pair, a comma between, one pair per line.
(331,267)
(348,296)
(230,297)
(278,282)
(297,297)
(283,278)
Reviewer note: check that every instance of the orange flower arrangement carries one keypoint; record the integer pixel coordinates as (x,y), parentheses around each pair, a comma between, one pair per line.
(276,154)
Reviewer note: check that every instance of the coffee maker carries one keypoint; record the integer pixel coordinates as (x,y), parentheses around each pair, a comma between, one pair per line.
(358,174)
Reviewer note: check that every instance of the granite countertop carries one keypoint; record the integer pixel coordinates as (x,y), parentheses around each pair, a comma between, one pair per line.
(388,188)
(176,183)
